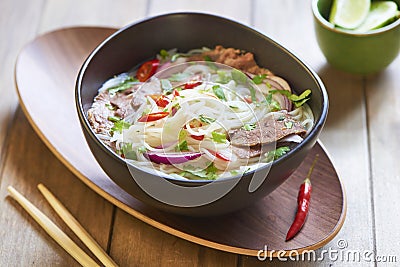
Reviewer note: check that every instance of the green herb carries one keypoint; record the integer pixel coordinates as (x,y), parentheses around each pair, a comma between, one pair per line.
(268,85)
(166,85)
(223,77)
(233,107)
(218,137)
(113,118)
(182,146)
(207,58)
(252,94)
(258,79)
(109,106)
(141,149)
(209,173)
(272,104)
(238,76)
(277,153)
(249,126)
(179,77)
(120,125)
(219,92)
(298,101)
(206,119)
(182,136)
(288,124)
(126,84)
(175,57)
(164,54)
(127,151)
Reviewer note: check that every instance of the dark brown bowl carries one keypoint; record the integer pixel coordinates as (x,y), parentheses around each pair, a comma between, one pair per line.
(140,41)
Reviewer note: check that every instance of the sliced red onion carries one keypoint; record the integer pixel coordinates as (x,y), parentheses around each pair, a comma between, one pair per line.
(166,145)
(171,158)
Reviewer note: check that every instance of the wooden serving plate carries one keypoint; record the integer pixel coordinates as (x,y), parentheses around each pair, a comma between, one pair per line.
(45,76)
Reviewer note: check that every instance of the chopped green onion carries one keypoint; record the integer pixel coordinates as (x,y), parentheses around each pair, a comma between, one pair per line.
(206,119)
(219,92)
(218,137)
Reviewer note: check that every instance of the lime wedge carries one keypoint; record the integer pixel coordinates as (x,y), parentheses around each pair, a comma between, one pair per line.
(380,14)
(349,14)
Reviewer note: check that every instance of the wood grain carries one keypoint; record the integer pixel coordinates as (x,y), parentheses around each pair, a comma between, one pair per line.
(383,105)
(12,42)
(244,232)
(22,170)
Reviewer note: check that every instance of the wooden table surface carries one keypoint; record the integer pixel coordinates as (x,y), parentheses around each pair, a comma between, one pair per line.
(361,135)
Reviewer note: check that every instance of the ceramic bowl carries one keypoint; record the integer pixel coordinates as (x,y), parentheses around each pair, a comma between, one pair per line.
(140,41)
(359,53)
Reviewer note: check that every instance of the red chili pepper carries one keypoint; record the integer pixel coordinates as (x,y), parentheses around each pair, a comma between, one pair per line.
(176,93)
(147,69)
(161,100)
(191,85)
(197,137)
(153,116)
(303,204)
(219,155)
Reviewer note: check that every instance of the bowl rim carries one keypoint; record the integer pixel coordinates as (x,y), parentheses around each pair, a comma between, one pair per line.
(318,123)
(327,25)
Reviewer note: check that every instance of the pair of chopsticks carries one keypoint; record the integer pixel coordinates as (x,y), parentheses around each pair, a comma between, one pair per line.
(58,235)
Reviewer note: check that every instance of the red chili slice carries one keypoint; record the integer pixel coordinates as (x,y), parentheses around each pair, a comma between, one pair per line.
(248,99)
(147,69)
(219,155)
(176,93)
(153,116)
(197,137)
(191,85)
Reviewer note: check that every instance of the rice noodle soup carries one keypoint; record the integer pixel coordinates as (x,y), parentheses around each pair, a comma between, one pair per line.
(203,115)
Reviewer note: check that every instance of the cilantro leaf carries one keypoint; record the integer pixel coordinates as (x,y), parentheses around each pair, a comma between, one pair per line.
(119,125)
(209,173)
(182,146)
(219,92)
(218,137)
(277,153)
(124,85)
(297,100)
(127,151)
(258,79)
(272,103)
(249,126)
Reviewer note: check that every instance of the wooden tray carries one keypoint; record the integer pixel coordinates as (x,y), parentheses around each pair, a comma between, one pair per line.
(45,76)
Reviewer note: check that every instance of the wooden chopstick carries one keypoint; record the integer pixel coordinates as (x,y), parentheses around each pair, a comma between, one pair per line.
(56,233)
(76,227)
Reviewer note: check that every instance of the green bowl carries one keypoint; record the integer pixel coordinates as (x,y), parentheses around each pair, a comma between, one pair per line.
(360,53)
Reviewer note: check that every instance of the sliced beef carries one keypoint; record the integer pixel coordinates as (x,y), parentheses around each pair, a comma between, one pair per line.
(105,106)
(267,131)
(235,58)
(247,152)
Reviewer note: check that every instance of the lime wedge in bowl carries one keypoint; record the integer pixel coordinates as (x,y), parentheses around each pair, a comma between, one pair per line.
(349,14)
(381,13)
